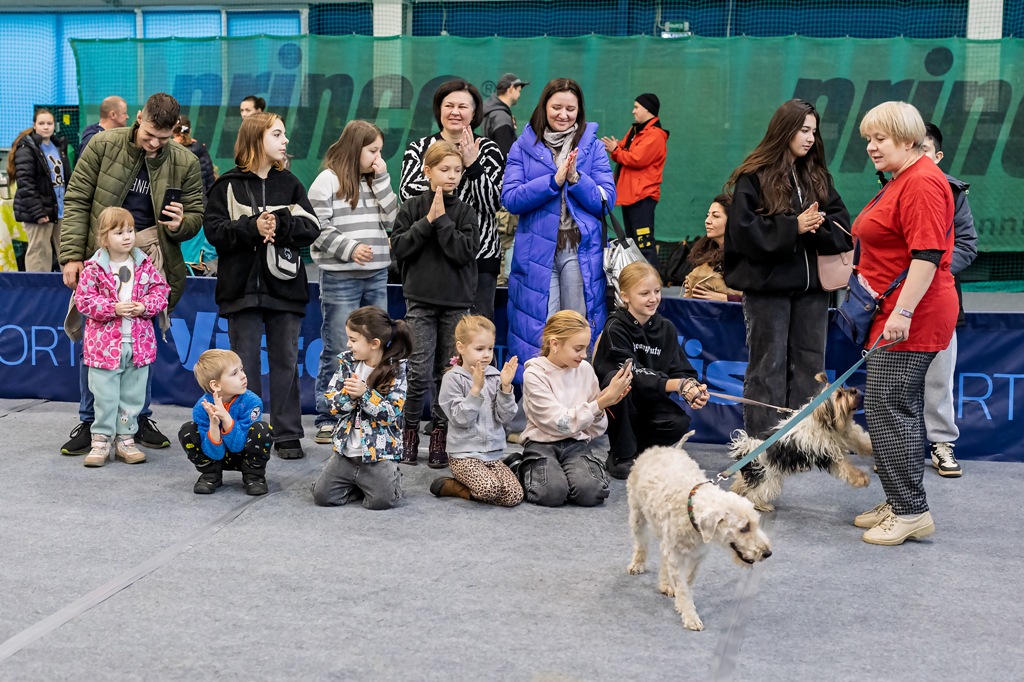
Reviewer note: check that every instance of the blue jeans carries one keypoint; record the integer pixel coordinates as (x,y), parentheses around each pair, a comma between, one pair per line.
(87,405)
(566,289)
(340,295)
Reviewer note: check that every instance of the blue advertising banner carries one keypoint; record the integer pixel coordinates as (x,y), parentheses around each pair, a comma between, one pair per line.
(38,361)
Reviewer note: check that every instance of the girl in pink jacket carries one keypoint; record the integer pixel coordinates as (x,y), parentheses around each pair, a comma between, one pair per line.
(119,293)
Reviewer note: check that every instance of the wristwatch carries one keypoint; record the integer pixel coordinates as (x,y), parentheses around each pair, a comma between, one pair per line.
(905,313)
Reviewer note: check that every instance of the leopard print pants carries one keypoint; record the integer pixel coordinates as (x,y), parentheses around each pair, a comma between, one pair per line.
(491,482)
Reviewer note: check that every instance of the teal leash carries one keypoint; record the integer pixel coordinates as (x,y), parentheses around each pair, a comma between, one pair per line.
(802,414)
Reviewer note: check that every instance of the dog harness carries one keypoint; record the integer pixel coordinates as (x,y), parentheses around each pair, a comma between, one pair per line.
(689,504)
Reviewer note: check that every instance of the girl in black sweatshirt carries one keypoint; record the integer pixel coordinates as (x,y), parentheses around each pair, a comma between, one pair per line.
(253,209)
(638,335)
(435,241)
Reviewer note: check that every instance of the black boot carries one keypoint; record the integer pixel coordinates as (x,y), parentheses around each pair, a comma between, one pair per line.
(438,449)
(619,468)
(254,478)
(410,445)
(209,477)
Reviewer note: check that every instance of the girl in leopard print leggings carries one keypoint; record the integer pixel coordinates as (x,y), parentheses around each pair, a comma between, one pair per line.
(478,400)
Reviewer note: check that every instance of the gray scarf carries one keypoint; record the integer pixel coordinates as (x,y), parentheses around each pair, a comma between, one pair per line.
(560,145)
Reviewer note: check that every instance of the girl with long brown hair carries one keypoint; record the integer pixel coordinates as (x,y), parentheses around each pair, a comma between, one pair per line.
(356,207)
(785,212)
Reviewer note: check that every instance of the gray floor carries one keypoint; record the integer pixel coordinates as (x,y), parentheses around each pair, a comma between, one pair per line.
(449,590)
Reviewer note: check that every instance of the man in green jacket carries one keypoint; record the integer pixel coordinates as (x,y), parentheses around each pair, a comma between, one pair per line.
(133,168)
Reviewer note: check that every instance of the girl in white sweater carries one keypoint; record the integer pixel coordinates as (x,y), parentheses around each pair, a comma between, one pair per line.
(564,410)
(356,206)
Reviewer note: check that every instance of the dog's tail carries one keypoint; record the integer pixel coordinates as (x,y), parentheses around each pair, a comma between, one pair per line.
(686,437)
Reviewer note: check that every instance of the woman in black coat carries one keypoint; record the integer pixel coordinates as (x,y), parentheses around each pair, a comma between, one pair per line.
(40,165)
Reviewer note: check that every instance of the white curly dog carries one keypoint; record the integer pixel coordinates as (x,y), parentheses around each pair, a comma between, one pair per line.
(659,485)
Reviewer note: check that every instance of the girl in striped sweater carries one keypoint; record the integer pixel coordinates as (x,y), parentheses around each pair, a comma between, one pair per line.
(356,206)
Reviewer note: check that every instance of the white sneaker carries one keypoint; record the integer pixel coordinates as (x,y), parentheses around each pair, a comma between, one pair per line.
(944,461)
(893,529)
(127,451)
(870,519)
(100,451)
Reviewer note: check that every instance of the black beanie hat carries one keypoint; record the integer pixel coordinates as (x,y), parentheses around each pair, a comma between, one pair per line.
(649,101)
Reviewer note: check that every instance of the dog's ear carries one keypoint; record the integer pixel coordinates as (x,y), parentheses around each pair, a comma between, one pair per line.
(822,378)
(708,526)
(686,437)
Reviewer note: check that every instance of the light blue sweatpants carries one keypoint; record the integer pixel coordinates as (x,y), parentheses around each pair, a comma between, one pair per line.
(120,394)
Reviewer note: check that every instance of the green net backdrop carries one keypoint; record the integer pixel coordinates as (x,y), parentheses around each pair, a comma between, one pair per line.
(717,96)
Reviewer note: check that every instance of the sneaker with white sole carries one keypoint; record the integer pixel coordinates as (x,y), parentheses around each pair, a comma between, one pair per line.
(893,529)
(324,432)
(126,450)
(870,519)
(100,451)
(944,460)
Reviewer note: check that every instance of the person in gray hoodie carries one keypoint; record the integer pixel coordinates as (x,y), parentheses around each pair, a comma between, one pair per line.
(478,401)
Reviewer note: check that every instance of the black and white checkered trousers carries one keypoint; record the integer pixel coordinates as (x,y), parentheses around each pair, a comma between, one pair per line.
(894,408)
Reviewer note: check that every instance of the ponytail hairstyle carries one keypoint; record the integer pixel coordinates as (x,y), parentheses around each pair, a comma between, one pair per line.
(466,329)
(562,325)
(395,339)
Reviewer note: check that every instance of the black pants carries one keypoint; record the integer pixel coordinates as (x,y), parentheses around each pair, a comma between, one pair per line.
(483,301)
(251,460)
(635,425)
(786,339)
(433,343)
(638,221)
(245,332)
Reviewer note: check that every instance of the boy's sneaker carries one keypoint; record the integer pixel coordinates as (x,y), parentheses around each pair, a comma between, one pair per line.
(324,432)
(944,461)
(81,440)
(255,484)
(99,451)
(148,436)
(207,484)
(126,450)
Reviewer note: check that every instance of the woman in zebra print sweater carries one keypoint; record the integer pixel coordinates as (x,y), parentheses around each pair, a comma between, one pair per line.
(458,110)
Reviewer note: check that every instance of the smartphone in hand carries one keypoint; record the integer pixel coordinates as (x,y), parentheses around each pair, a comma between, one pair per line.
(170,194)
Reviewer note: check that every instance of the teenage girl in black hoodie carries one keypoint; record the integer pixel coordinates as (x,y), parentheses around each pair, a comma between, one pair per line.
(638,335)
(254,206)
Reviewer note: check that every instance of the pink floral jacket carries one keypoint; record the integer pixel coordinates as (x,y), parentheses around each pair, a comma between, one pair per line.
(95,298)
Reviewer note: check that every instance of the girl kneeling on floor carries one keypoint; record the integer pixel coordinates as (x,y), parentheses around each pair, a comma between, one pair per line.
(478,401)
(367,394)
(564,410)
(636,335)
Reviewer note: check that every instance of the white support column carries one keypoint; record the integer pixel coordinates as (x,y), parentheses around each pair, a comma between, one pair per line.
(985,19)
(140,63)
(388,20)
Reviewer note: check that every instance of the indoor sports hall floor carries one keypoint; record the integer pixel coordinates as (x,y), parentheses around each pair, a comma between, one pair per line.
(122,573)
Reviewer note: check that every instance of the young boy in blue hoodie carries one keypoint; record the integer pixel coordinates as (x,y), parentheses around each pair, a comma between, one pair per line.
(226,431)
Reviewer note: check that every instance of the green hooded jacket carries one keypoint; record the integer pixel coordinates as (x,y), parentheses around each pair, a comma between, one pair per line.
(102,178)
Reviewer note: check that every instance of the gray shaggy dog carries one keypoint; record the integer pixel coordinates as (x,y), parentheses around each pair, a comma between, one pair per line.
(658,488)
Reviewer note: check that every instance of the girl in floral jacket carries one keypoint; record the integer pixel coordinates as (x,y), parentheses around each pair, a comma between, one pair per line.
(367,395)
(119,293)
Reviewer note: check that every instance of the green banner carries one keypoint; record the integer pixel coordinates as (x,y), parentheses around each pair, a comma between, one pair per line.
(717,95)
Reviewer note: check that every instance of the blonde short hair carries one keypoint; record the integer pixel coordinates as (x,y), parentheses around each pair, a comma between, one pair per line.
(112,218)
(563,325)
(212,364)
(635,273)
(898,120)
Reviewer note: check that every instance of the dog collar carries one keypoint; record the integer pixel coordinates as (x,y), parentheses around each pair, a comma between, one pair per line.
(689,504)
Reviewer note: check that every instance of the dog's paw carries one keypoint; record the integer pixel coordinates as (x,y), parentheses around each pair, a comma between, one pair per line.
(859,479)
(693,623)
(764,507)
(666,590)
(636,568)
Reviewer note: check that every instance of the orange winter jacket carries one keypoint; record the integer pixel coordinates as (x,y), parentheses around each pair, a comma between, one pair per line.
(640,167)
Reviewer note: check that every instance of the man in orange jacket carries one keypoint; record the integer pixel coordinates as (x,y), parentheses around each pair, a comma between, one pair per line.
(641,160)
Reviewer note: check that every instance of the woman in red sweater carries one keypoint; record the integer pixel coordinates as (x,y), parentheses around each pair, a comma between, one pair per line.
(907,226)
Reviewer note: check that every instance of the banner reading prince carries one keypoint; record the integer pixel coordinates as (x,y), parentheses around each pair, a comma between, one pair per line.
(38,361)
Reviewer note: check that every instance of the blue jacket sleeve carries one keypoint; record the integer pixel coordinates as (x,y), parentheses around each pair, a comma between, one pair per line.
(598,176)
(520,194)
(202,420)
(246,410)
